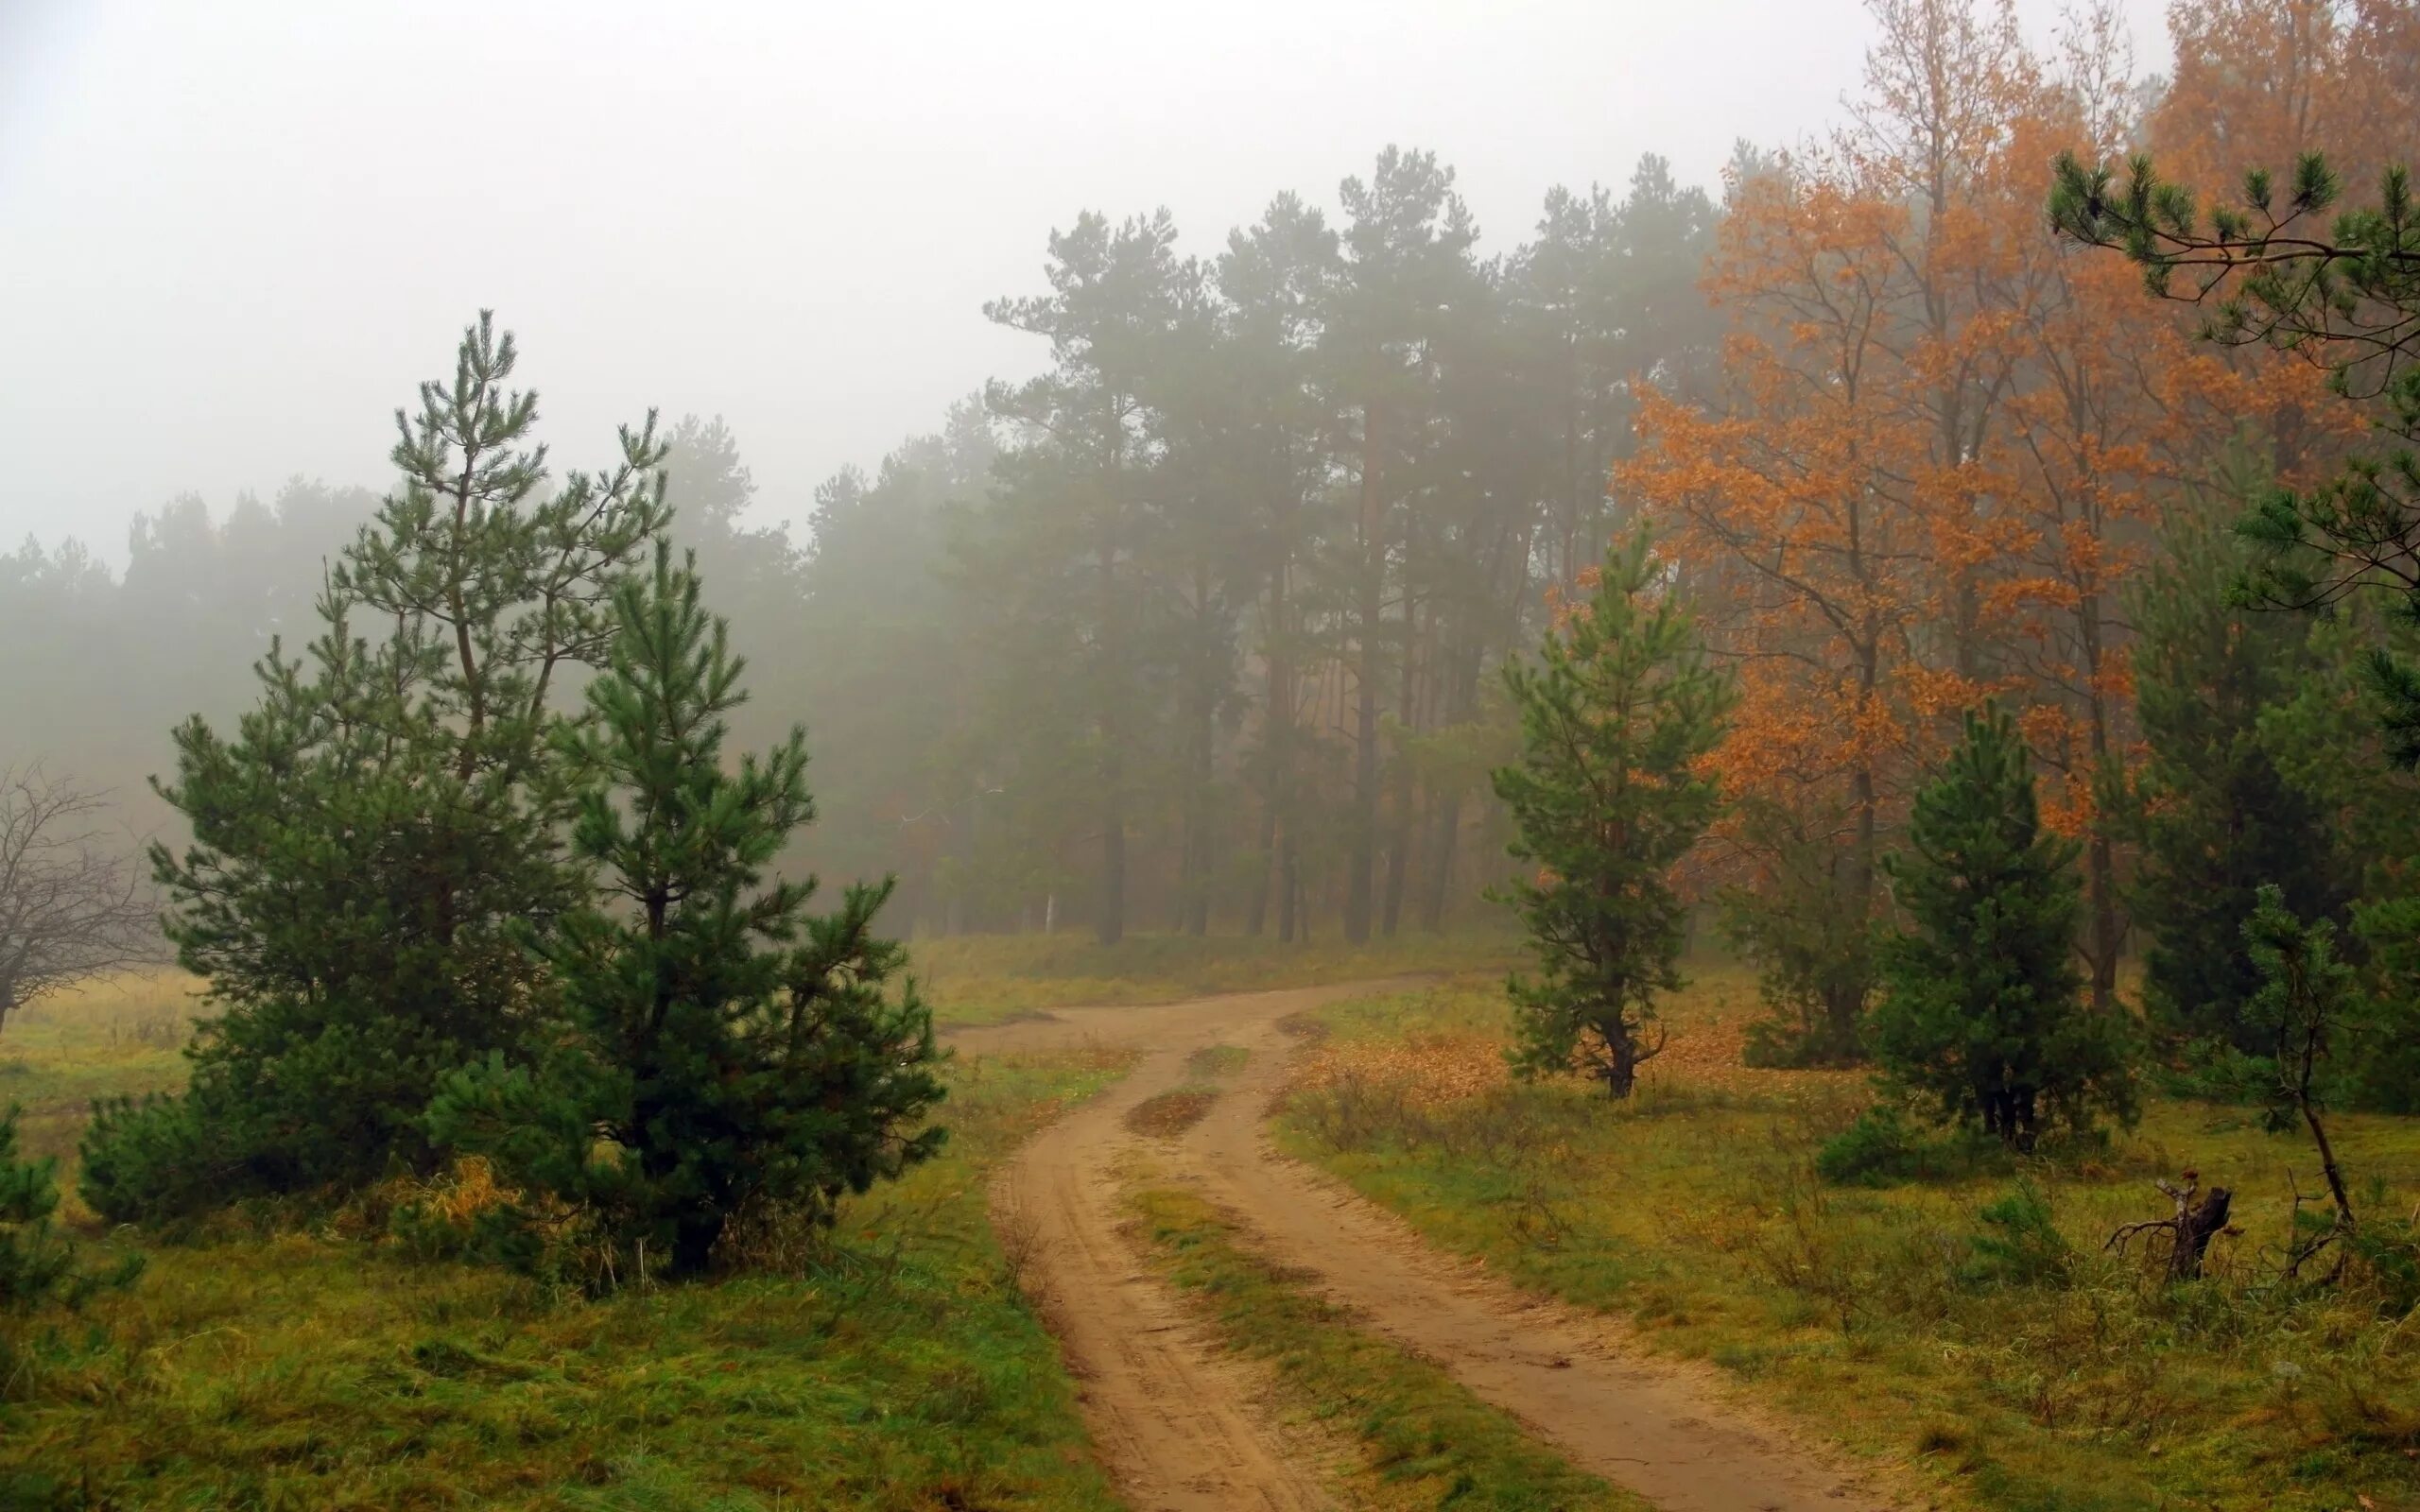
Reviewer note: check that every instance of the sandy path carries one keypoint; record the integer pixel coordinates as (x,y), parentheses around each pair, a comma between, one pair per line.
(1170,1415)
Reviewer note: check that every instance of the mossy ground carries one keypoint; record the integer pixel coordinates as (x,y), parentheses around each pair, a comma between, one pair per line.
(1694,1211)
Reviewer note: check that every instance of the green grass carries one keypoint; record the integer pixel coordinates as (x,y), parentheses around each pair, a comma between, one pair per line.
(986,978)
(895,1368)
(119,1035)
(1694,1211)
(1426,1441)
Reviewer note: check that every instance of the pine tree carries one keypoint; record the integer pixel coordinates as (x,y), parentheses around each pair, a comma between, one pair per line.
(1981,1007)
(1408,274)
(2219,817)
(731,1052)
(1079,512)
(37,1264)
(2306,1009)
(1617,717)
(2344,296)
(375,845)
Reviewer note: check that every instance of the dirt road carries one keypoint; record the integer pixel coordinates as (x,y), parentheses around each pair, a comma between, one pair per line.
(1174,1419)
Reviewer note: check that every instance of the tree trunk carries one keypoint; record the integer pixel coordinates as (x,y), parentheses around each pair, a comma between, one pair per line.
(1444,831)
(1277,740)
(1256,907)
(1845,1004)
(2108,933)
(2195,1226)
(2108,927)
(1111,924)
(1621,1061)
(1462,700)
(1399,840)
(1289,883)
(1360,857)
(1195,889)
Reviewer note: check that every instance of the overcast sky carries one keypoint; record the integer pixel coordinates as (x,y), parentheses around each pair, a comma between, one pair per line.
(233,235)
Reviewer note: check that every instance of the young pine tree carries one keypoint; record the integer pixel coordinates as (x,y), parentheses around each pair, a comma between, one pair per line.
(38,1264)
(2306,1010)
(375,843)
(1616,715)
(1982,1006)
(726,1052)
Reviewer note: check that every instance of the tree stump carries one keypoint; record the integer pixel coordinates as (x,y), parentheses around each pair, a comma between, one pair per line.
(2197,1224)
(2200,1218)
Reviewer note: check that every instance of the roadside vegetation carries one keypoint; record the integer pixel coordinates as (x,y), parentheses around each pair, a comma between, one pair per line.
(889,1364)
(1961,1316)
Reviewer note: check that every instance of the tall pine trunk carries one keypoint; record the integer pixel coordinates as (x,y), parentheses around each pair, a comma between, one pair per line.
(1110,923)
(1277,740)
(1198,826)
(1446,827)
(1403,821)
(1202,719)
(1360,859)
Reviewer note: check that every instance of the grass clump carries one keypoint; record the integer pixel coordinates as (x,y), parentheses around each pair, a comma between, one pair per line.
(1427,1441)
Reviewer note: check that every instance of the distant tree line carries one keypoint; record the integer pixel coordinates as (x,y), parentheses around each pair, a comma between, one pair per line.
(1196,625)
(1202,627)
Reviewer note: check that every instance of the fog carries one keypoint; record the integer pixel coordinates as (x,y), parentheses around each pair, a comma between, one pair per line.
(233,236)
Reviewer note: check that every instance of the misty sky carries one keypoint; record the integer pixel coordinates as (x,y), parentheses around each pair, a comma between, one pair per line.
(233,235)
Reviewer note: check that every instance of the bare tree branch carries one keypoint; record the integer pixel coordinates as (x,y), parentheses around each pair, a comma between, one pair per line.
(72,905)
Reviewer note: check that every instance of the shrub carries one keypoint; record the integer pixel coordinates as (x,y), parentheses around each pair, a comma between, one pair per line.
(2387,1250)
(37,1264)
(1880,1148)
(2019,1243)
(1806,924)
(150,1161)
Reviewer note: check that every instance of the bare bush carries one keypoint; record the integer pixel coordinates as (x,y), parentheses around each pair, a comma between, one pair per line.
(72,905)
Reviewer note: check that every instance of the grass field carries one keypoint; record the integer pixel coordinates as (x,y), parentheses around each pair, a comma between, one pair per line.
(122,1035)
(895,1368)
(986,978)
(2018,1371)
